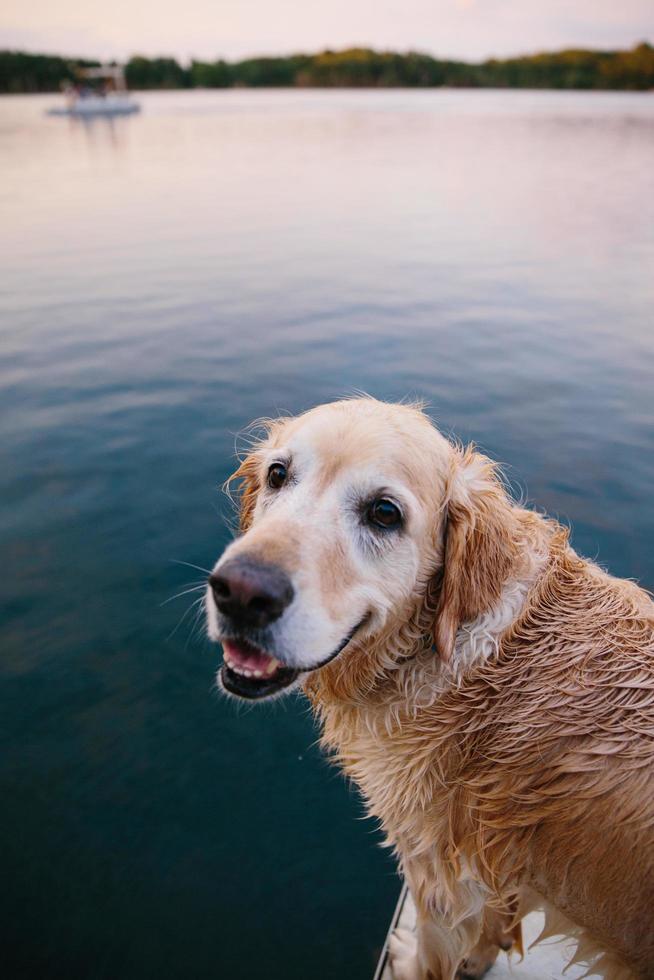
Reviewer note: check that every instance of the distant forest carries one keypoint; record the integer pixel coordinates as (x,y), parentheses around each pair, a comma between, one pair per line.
(354,68)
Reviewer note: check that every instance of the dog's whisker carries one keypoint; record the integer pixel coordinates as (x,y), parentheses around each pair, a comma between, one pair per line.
(189,564)
(183,617)
(195,588)
(195,626)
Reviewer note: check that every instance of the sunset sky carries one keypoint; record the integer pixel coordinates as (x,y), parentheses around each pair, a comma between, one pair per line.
(470,29)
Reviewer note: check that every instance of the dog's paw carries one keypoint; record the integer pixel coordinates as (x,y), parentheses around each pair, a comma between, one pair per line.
(474,967)
(403,954)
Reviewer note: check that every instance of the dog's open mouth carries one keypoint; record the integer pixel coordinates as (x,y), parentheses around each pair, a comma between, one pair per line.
(250,672)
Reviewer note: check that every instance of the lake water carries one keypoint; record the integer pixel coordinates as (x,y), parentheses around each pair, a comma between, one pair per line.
(166,279)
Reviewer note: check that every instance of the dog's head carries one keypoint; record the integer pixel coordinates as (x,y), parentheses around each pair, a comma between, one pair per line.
(350,513)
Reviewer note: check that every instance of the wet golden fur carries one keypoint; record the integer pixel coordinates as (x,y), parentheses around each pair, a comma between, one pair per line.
(519,778)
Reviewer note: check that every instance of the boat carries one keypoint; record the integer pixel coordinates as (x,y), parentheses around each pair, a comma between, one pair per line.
(97,92)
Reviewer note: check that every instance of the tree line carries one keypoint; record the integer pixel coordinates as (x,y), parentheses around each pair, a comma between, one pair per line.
(353,68)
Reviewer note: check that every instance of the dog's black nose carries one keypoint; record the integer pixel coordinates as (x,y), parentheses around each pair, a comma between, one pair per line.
(251,593)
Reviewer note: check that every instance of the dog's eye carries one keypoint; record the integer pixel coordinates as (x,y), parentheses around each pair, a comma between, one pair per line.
(277,476)
(384,513)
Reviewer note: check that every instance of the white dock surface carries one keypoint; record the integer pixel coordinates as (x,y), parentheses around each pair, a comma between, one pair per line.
(544,962)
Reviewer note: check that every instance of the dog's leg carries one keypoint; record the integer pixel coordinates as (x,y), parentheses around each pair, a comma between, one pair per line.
(450,947)
(436,950)
(499,932)
(403,955)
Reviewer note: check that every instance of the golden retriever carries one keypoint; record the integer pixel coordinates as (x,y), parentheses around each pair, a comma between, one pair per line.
(490,692)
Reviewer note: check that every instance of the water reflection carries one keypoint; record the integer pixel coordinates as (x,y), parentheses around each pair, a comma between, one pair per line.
(99,132)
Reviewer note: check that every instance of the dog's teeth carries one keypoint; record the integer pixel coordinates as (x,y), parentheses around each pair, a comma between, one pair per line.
(267,670)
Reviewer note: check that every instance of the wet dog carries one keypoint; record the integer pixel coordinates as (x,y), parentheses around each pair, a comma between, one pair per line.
(490,692)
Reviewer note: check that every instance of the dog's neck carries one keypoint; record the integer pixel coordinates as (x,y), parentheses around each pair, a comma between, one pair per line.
(369,720)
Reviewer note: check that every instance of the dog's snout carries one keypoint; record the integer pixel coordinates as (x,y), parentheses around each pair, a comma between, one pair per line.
(251,593)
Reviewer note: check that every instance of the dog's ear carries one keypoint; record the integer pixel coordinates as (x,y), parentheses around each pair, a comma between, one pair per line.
(248,482)
(480,546)
(247,477)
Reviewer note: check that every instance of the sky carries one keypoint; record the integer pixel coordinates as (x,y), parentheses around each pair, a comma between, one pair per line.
(209,29)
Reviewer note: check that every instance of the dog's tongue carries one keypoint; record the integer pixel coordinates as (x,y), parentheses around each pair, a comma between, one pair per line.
(243,657)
